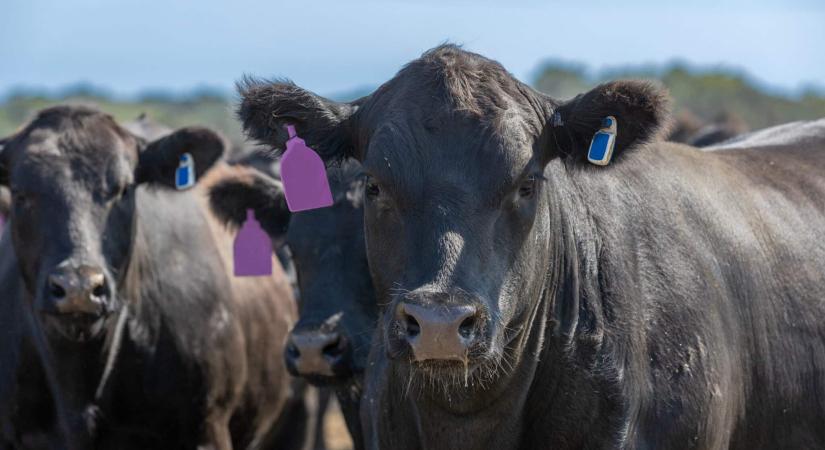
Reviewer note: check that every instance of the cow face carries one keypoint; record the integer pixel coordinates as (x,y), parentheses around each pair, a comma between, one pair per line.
(460,214)
(73,173)
(330,342)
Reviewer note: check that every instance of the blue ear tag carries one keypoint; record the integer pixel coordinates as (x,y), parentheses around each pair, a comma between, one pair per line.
(185,173)
(601,147)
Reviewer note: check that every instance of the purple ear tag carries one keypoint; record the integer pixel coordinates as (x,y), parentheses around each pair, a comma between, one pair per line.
(304,176)
(252,249)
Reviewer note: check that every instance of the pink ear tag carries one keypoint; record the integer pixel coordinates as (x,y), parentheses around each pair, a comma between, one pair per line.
(252,249)
(304,176)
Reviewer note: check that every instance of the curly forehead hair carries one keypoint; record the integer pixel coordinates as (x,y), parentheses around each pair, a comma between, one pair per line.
(471,83)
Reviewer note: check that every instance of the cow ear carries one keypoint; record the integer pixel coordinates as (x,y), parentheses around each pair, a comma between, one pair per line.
(159,160)
(247,188)
(268,106)
(641,109)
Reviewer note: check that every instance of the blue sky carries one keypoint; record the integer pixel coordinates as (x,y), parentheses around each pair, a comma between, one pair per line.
(335,46)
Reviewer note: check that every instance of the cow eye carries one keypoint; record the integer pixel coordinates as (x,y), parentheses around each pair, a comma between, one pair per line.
(372,189)
(527,187)
(20,201)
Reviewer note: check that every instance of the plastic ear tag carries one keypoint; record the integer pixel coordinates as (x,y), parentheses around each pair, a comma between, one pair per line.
(304,176)
(601,147)
(185,173)
(252,250)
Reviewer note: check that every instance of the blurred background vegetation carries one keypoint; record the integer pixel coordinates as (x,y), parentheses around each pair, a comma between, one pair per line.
(701,96)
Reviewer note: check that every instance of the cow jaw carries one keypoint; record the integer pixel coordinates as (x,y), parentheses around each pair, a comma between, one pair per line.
(78,327)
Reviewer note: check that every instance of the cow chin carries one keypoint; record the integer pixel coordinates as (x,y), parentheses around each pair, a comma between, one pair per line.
(479,368)
(450,377)
(78,328)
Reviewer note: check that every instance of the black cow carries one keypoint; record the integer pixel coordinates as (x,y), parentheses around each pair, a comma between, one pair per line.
(330,343)
(148,340)
(689,129)
(529,299)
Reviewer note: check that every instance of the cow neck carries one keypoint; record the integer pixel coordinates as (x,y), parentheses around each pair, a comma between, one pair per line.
(577,308)
(79,375)
(46,358)
(575,339)
(127,291)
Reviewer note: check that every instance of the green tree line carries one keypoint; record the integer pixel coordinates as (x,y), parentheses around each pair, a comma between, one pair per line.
(704,94)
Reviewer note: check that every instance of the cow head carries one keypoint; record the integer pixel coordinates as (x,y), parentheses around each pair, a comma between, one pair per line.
(73,173)
(465,167)
(330,342)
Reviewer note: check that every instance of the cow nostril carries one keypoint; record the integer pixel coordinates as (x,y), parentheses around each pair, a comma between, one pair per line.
(292,351)
(99,290)
(334,348)
(466,327)
(57,291)
(413,328)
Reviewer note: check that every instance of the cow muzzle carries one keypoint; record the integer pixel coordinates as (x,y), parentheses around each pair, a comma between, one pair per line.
(319,355)
(437,331)
(76,301)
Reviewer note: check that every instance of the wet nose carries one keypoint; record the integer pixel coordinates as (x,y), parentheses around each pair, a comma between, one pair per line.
(77,290)
(440,332)
(316,353)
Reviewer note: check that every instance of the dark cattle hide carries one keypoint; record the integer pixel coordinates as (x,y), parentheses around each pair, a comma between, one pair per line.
(805,133)
(672,299)
(687,128)
(147,128)
(330,343)
(138,334)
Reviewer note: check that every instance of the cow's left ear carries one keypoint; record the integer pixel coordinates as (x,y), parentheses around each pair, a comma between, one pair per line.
(159,160)
(641,109)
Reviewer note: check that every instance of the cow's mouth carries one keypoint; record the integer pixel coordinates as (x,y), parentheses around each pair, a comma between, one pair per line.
(76,327)
(457,375)
(329,380)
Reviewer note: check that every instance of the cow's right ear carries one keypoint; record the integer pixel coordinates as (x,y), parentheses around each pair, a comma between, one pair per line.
(268,106)
(247,188)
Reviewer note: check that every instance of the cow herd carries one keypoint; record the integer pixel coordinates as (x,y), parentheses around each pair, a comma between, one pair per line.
(476,283)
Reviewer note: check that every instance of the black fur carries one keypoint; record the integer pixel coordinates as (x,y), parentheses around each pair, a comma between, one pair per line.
(668,300)
(199,360)
(641,109)
(250,189)
(268,106)
(160,158)
(327,247)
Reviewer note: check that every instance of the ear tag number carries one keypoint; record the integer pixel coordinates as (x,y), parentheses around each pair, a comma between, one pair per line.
(601,147)
(185,173)
(252,250)
(304,176)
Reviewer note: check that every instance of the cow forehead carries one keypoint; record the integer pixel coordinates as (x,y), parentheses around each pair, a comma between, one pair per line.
(468,152)
(101,155)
